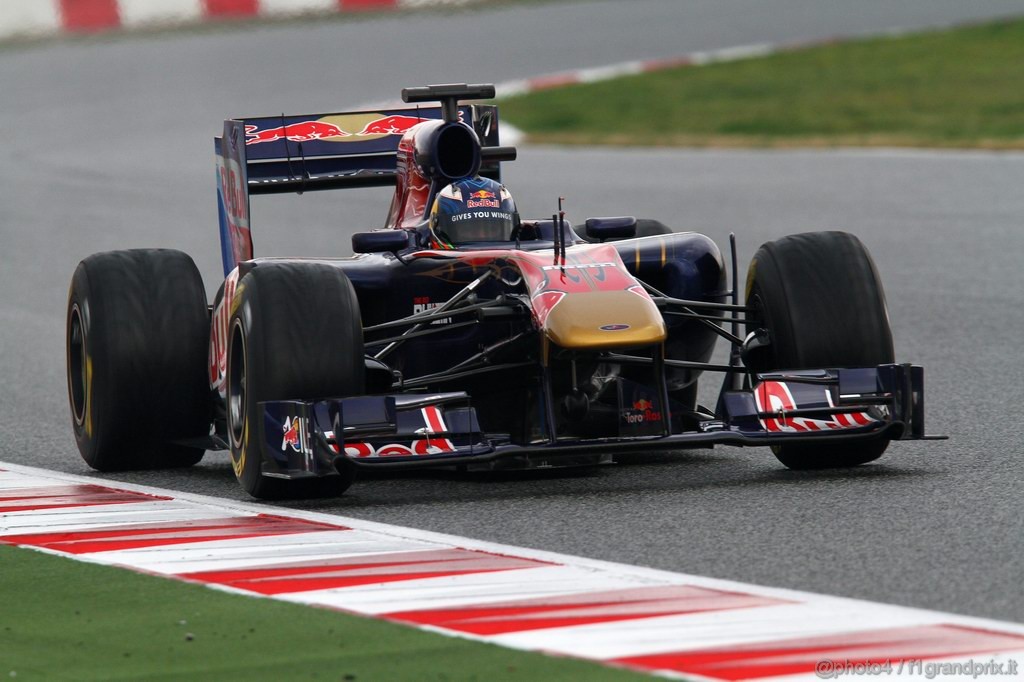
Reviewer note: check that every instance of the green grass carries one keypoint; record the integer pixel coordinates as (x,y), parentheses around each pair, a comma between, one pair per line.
(67,620)
(954,88)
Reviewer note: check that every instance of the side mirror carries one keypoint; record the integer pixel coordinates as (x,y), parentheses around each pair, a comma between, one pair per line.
(623,227)
(380,241)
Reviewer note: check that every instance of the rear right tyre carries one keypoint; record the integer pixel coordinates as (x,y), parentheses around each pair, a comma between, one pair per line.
(138,331)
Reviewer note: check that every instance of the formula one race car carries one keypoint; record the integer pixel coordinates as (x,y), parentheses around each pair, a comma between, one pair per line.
(464,335)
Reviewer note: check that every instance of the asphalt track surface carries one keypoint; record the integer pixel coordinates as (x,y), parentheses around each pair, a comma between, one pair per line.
(108,145)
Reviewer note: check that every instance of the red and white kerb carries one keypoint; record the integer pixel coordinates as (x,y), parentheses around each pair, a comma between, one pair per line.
(668,624)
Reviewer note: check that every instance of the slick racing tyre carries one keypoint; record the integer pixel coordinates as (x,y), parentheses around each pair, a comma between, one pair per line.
(820,298)
(295,332)
(137,338)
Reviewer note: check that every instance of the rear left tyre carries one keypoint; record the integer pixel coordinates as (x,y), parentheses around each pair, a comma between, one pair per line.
(137,339)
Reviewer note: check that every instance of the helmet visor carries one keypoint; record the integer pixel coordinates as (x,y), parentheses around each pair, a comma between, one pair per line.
(484,225)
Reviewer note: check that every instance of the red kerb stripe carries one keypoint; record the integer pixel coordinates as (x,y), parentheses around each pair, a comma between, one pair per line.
(89,15)
(60,496)
(554,81)
(606,606)
(801,656)
(325,574)
(231,8)
(138,536)
(362,5)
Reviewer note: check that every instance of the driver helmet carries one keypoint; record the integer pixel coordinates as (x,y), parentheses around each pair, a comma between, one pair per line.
(472,210)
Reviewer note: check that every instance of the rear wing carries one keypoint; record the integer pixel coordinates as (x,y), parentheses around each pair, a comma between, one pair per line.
(282,154)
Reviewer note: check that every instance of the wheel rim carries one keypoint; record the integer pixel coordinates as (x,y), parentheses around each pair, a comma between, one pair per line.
(77,365)
(236,385)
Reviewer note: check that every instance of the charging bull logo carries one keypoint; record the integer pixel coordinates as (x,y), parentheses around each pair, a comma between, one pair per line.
(643,412)
(294,434)
(390,125)
(304,131)
(335,128)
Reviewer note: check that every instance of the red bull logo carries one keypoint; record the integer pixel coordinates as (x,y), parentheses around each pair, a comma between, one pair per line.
(304,131)
(643,412)
(331,129)
(294,434)
(390,125)
(482,199)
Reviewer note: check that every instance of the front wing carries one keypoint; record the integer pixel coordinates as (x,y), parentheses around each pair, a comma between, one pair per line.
(307,438)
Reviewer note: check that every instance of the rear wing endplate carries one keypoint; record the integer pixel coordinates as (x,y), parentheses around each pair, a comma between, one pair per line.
(283,154)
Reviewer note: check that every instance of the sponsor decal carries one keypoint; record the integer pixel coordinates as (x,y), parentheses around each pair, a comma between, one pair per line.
(614,327)
(231,190)
(407,449)
(296,435)
(482,199)
(336,128)
(777,397)
(643,412)
(433,422)
(304,131)
(218,364)
(481,215)
(579,266)
(390,125)
(422,304)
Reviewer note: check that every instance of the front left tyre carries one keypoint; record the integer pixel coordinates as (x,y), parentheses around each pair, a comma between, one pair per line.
(294,333)
(820,297)
(137,338)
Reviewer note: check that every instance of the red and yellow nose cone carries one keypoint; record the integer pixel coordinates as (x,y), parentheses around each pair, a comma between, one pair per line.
(605,319)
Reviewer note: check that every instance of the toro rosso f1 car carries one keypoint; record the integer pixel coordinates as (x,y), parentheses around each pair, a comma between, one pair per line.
(464,335)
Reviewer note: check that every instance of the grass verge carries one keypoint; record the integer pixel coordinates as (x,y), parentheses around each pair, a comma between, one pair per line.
(960,87)
(69,620)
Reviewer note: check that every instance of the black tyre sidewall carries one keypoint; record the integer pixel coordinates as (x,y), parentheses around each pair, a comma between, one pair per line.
(146,333)
(302,337)
(821,299)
